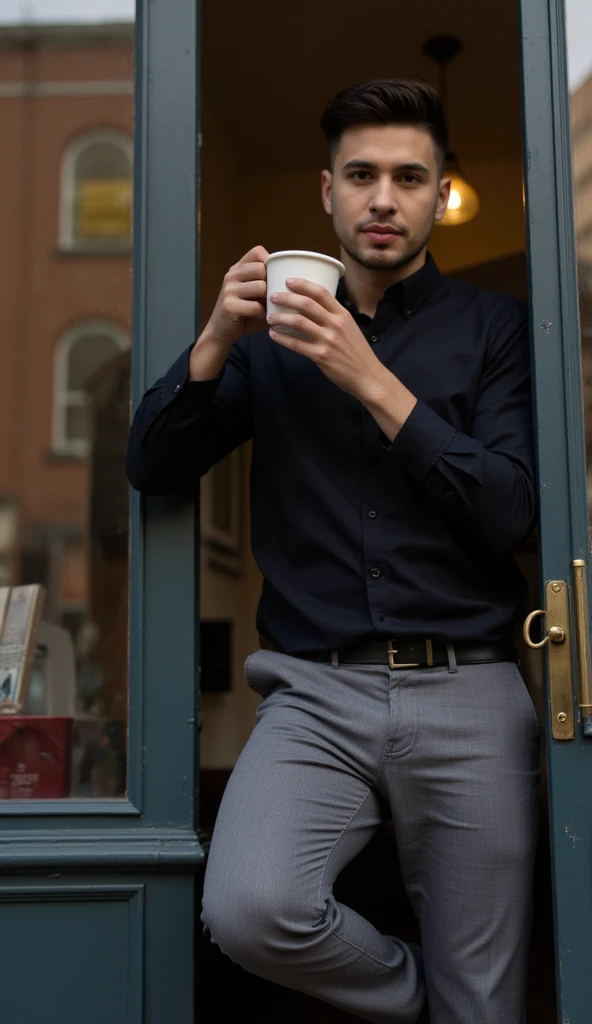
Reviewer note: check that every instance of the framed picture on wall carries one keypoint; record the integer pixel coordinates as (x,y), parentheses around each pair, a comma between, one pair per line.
(221,512)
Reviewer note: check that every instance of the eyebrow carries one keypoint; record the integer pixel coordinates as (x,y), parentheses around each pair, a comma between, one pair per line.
(366,165)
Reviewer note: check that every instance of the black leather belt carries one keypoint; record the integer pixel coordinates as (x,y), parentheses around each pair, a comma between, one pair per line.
(409,653)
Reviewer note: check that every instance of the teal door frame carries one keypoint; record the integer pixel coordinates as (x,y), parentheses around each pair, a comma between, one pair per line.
(561,461)
(118,876)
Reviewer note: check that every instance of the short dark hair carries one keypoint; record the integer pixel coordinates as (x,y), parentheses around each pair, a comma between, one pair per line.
(404,101)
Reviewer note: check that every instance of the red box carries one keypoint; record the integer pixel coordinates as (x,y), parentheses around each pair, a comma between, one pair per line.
(35,757)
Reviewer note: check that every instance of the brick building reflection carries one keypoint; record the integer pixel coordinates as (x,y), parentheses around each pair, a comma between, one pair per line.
(66,121)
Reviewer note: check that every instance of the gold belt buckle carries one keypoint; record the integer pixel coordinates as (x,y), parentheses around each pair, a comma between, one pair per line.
(391,657)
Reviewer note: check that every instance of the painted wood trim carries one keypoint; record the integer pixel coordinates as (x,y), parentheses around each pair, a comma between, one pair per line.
(132,894)
(67,850)
(164,571)
(68,808)
(72,893)
(544,294)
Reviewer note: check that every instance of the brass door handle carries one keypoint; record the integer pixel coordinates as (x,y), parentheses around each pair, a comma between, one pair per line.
(556,634)
(557,641)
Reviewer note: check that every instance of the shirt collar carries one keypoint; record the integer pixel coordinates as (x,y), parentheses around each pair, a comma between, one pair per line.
(410,293)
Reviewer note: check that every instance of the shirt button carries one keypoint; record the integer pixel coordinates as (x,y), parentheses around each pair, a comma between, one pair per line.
(376,573)
(407,312)
(372,514)
(382,617)
(177,388)
(372,460)
(374,338)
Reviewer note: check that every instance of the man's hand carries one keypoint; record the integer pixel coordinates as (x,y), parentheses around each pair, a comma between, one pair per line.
(240,309)
(341,351)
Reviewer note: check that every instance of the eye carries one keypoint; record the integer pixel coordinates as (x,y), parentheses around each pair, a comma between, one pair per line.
(360,175)
(411,179)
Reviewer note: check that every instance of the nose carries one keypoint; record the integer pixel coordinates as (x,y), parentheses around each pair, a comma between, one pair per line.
(383,202)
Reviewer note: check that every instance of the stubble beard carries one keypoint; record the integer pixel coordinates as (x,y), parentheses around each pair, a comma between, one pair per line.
(381,259)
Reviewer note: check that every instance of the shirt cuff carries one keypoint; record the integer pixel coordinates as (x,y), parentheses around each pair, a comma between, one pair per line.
(421,441)
(175,398)
(176,386)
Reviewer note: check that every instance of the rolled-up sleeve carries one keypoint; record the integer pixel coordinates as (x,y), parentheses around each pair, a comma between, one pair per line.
(182,427)
(486,477)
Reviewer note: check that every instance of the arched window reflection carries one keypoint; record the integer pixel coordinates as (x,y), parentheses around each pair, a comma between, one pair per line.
(96,199)
(80,353)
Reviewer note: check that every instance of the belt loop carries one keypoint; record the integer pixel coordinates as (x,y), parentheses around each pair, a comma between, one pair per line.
(334,659)
(452,666)
(429,654)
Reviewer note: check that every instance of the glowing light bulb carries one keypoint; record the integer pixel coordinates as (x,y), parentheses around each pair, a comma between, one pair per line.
(455,200)
(464,203)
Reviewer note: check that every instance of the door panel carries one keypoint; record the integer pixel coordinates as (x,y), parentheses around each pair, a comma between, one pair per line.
(561,460)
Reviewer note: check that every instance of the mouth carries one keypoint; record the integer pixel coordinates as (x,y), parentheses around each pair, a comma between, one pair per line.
(381,234)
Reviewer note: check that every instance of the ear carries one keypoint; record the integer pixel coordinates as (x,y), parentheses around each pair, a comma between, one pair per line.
(443,197)
(326,189)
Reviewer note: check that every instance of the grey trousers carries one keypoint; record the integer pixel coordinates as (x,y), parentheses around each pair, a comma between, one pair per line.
(456,755)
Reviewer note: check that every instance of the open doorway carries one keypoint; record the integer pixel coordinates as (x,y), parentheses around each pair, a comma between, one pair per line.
(266,78)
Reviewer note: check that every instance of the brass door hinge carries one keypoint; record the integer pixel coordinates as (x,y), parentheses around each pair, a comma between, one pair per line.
(582,635)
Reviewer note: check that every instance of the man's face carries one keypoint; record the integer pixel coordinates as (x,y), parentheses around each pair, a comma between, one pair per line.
(385,193)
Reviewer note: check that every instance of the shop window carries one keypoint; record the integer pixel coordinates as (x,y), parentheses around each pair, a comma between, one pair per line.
(80,354)
(96,200)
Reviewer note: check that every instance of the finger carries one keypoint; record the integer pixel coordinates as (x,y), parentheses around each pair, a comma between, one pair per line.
(248,272)
(301,286)
(249,289)
(304,348)
(302,304)
(256,255)
(295,321)
(243,309)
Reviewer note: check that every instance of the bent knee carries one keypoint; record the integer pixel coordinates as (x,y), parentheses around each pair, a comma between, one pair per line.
(255,931)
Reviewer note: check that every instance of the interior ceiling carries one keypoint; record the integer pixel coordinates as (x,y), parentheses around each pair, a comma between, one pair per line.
(269,68)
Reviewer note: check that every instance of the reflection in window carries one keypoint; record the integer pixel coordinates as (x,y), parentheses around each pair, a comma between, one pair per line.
(97,192)
(80,354)
(581,126)
(65,365)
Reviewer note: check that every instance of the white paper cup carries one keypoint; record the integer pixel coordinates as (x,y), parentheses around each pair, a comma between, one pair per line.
(312,266)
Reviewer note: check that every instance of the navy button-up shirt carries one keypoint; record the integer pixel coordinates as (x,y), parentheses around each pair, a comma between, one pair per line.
(358,538)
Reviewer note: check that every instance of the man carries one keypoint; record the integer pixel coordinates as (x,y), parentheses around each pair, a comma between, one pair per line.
(392,478)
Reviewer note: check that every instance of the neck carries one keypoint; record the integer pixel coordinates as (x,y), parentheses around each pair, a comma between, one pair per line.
(366,285)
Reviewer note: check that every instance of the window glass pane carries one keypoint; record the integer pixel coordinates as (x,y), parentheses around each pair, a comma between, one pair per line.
(103,160)
(579,33)
(64,530)
(104,208)
(86,356)
(103,192)
(76,423)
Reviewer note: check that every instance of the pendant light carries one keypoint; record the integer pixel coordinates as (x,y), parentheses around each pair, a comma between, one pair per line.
(464,201)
